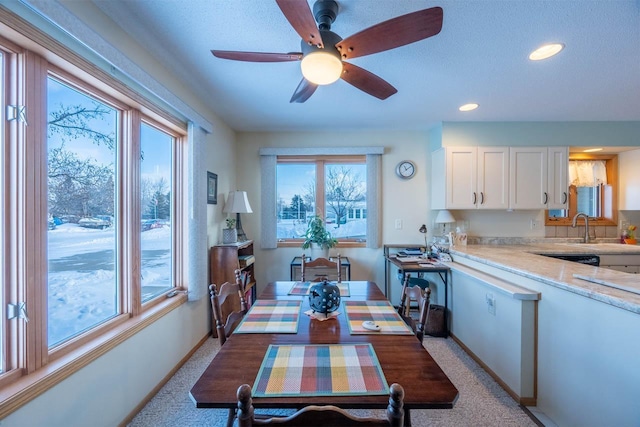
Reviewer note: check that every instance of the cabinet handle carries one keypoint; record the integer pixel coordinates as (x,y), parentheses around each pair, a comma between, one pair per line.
(564,197)
(481,198)
(546,198)
(475,198)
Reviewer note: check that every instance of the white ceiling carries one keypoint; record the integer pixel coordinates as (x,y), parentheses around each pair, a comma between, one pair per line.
(479,56)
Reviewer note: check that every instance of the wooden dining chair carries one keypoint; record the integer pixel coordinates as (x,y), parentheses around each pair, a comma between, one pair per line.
(422,297)
(244,277)
(322,267)
(229,306)
(321,416)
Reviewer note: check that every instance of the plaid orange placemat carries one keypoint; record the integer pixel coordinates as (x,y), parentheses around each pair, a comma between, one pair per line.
(271,316)
(320,370)
(302,288)
(381,312)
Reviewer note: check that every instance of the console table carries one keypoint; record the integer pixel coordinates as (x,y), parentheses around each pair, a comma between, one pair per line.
(415,267)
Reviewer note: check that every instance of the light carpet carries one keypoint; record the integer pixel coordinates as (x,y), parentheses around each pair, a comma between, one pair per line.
(482,402)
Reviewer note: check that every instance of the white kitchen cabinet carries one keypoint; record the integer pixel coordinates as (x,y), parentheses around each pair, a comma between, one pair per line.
(629,180)
(470,178)
(558,177)
(538,177)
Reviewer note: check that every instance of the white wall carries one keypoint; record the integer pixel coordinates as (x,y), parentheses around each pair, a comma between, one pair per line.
(407,200)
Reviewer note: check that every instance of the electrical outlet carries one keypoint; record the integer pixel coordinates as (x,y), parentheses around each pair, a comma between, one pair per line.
(398,224)
(491,303)
(535,224)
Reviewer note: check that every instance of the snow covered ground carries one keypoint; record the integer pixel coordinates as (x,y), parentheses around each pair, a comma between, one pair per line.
(287,229)
(82,276)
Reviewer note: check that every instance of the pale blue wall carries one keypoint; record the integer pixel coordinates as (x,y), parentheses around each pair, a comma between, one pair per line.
(541,133)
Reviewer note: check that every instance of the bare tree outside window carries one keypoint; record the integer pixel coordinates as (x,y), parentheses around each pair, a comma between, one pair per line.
(344,190)
(342,201)
(81,244)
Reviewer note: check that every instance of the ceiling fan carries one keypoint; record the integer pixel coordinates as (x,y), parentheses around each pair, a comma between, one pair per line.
(324,53)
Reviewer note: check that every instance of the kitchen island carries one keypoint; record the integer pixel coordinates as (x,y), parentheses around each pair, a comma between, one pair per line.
(584,338)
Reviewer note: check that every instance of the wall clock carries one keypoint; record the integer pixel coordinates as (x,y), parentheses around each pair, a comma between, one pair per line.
(406,169)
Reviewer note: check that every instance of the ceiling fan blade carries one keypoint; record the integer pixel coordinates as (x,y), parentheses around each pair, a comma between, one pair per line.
(257,56)
(304,91)
(393,33)
(366,81)
(301,19)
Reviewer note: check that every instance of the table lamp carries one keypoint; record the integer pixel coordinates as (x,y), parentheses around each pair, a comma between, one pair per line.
(237,203)
(444,217)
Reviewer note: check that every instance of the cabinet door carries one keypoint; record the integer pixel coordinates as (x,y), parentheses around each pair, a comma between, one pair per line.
(493,178)
(528,178)
(629,189)
(461,177)
(558,185)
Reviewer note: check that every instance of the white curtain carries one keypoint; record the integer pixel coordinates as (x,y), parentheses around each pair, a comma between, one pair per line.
(587,173)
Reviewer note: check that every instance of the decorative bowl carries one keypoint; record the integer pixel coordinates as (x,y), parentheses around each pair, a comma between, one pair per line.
(324,297)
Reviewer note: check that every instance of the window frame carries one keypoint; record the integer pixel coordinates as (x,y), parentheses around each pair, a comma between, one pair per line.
(609,202)
(320,161)
(31,367)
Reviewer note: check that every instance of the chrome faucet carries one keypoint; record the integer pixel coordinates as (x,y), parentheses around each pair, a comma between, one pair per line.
(587,239)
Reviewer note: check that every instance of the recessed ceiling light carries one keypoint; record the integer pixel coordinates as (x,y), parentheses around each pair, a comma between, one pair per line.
(592,150)
(546,51)
(468,107)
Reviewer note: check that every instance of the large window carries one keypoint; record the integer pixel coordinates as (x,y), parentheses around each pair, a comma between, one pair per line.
(333,187)
(156,181)
(81,160)
(93,183)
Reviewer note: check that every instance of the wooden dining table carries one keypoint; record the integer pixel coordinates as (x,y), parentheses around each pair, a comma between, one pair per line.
(403,360)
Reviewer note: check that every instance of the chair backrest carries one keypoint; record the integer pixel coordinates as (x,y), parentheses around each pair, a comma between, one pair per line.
(322,264)
(243,278)
(229,306)
(320,416)
(422,296)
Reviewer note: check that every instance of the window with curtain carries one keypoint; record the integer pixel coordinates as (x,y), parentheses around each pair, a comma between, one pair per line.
(591,191)
(331,187)
(339,183)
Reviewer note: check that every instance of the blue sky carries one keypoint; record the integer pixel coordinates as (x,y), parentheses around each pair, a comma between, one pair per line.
(157,162)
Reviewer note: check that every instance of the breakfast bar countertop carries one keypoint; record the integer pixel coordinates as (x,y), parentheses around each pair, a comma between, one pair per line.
(524,260)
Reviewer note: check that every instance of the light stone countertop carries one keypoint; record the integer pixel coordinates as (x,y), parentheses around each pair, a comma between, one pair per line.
(523,260)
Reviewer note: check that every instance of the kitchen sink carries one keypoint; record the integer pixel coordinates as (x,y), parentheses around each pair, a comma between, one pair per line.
(588,259)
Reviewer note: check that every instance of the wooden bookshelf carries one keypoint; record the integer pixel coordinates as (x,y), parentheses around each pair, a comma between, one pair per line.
(226,258)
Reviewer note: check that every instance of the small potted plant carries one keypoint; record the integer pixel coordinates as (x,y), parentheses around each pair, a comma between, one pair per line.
(317,236)
(230,234)
(629,235)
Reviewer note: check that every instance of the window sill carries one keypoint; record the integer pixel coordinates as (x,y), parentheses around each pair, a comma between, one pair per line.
(30,386)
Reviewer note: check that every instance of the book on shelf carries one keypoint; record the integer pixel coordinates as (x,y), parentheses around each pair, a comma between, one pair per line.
(246,260)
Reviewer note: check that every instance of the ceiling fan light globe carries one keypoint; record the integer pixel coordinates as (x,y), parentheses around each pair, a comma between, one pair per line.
(321,68)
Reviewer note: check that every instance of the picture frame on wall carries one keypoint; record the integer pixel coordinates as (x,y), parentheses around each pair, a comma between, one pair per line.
(212,188)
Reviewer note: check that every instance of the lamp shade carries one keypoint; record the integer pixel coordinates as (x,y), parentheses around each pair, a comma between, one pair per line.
(444,217)
(237,202)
